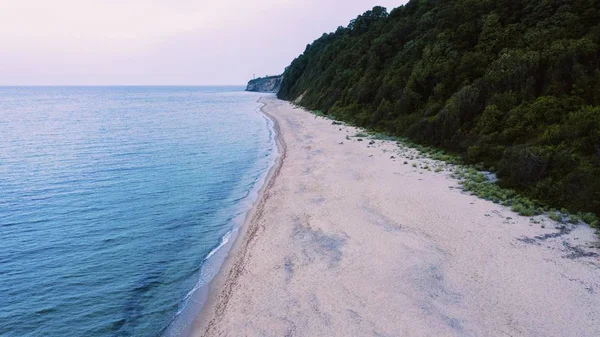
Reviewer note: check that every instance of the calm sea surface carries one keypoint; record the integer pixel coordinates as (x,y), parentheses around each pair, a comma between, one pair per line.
(113,201)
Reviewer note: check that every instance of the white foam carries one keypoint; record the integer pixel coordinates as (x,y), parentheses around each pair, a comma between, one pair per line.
(224,241)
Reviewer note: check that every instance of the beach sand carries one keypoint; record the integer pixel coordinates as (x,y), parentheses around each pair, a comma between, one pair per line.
(348,240)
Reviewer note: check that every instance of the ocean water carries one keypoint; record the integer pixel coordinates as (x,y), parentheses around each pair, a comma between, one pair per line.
(114,200)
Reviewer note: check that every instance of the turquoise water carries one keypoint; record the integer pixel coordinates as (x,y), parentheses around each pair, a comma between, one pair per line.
(112,198)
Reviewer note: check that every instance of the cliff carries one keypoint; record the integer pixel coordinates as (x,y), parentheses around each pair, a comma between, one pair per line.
(265,84)
(511,84)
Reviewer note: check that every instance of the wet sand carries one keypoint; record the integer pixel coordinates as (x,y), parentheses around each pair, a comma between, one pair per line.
(349,239)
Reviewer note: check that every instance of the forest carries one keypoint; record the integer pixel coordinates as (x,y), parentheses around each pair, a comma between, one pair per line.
(513,85)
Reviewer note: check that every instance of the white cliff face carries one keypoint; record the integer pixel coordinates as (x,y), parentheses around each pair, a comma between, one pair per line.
(265,84)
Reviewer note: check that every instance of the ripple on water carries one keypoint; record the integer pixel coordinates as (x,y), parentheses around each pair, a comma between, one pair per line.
(113,198)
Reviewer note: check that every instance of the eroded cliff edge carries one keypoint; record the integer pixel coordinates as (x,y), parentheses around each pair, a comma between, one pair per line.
(265,84)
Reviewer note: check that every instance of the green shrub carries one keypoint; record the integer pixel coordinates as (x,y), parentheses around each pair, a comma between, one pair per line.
(588,218)
(523,210)
(556,216)
(383,136)
(573,218)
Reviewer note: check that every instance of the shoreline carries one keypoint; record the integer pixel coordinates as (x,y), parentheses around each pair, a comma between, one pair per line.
(360,242)
(220,287)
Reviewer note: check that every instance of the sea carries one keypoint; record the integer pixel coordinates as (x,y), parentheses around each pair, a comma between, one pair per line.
(118,204)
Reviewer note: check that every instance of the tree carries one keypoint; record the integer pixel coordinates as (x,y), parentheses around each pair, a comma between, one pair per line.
(510,83)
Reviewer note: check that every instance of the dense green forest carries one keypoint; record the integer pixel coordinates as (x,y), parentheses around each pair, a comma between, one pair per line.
(513,84)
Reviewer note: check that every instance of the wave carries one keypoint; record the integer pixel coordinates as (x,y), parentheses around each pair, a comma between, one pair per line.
(224,241)
(194,300)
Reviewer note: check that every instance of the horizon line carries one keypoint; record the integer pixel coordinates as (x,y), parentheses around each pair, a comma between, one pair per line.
(119,85)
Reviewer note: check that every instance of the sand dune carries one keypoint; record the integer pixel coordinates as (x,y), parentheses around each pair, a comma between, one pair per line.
(348,240)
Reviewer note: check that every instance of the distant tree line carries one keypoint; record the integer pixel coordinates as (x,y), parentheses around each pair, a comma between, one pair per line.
(513,84)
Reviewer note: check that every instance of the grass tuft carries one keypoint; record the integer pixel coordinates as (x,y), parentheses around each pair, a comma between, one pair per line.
(476,182)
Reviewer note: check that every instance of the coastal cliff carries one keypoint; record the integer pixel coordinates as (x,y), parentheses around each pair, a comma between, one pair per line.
(265,84)
(510,85)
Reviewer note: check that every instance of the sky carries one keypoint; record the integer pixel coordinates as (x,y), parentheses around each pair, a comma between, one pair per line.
(161,42)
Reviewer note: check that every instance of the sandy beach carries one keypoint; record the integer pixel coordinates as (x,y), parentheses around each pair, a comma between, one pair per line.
(348,238)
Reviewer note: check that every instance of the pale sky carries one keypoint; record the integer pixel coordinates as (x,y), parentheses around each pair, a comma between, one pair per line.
(161,42)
